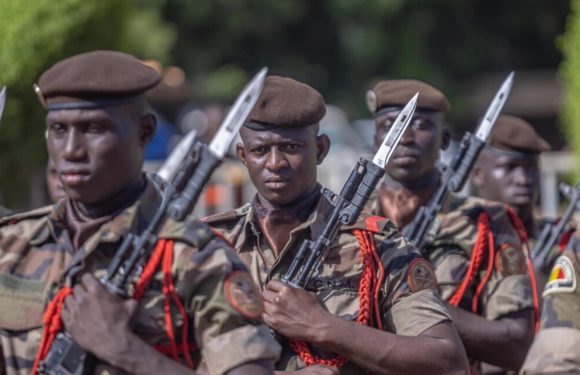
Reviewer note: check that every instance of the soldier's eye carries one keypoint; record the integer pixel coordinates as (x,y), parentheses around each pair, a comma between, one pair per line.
(57,128)
(260,150)
(95,127)
(292,147)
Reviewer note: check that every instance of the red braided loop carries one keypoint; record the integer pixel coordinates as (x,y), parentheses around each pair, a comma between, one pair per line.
(52,325)
(163,253)
(490,257)
(368,292)
(476,259)
(517,223)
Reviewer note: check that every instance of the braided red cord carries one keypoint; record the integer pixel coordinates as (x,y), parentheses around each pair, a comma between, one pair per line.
(475,261)
(368,289)
(523,235)
(52,325)
(490,258)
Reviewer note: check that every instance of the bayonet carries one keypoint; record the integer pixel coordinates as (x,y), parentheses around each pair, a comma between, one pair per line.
(395,133)
(494,108)
(2,101)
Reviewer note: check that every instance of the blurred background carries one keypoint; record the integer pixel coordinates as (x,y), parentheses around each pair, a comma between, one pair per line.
(207,51)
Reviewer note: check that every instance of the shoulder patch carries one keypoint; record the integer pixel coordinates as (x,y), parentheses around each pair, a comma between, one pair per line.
(562,278)
(420,275)
(243,294)
(510,260)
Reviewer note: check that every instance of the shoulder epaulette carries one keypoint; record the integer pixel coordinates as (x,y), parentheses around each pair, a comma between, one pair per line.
(33,214)
(229,215)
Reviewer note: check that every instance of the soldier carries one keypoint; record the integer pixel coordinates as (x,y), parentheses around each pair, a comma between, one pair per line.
(556,348)
(200,304)
(485,283)
(53,184)
(380,282)
(508,171)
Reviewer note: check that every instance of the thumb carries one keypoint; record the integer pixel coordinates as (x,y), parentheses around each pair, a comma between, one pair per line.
(131,306)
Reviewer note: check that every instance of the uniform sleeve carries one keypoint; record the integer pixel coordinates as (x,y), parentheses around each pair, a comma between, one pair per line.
(411,304)
(556,348)
(226,308)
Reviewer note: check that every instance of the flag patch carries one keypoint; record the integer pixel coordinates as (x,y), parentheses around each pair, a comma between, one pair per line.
(562,278)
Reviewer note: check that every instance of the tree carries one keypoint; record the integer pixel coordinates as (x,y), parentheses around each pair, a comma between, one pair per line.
(36,33)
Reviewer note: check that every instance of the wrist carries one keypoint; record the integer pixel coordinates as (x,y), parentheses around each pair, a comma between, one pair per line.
(122,353)
(323,333)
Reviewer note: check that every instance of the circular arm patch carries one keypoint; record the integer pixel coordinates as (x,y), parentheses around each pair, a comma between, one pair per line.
(420,275)
(243,294)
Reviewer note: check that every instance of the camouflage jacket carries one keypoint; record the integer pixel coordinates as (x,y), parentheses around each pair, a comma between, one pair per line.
(221,301)
(408,304)
(556,348)
(449,247)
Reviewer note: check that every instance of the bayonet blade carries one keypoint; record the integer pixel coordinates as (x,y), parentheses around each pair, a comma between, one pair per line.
(171,164)
(494,108)
(237,115)
(392,138)
(2,101)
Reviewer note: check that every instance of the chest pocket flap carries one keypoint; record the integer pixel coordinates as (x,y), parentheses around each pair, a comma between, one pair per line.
(21,303)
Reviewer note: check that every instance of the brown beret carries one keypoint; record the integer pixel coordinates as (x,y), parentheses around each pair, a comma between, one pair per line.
(286,102)
(397,92)
(511,133)
(95,79)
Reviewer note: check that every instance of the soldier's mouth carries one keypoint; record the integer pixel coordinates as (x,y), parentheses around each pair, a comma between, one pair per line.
(75,178)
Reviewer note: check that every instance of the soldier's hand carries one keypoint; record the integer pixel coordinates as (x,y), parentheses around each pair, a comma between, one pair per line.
(97,320)
(293,312)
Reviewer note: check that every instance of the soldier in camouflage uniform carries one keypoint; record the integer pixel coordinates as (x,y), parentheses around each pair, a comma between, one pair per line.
(98,125)
(385,285)
(556,348)
(488,289)
(508,171)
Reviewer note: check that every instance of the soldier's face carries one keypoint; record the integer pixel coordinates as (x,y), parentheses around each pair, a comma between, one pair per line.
(97,152)
(419,147)
(282,163)
(512,178)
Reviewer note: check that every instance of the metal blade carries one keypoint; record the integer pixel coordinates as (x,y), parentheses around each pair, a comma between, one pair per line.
(237,115)
(494,108)
(2,101)
(392,138)
(174,159)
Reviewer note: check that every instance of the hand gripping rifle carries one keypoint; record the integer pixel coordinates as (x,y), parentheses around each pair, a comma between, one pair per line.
(178,198)
(349,203)
(456,173)
(552,232)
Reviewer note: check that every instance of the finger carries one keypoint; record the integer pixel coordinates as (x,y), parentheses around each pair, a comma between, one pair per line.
(90,283)
(70,305)
(275,285)
(270,297)
(131,305)
(79,293)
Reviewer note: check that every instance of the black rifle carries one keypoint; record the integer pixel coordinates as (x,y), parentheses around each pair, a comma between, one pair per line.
(551,232)
(457,172)
(349,204)
(180,194)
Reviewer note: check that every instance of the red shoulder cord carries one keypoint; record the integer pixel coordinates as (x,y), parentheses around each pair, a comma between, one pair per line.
(369,289)
(523,235)
(163,253)
(483,242)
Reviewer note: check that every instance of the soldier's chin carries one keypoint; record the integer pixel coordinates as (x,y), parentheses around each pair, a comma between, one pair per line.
(403,174)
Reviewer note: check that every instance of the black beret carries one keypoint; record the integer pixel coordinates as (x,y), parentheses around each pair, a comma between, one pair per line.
(95,79)
(285,102)
(512,133)
(397,92)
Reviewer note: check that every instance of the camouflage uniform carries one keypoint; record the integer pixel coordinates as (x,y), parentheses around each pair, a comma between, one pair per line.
(449,247)
(408,303)
(556,348)
(224,305)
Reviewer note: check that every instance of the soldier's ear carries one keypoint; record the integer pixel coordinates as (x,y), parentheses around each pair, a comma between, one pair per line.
(322,147)
(241,153)
(147,128)
(445,138)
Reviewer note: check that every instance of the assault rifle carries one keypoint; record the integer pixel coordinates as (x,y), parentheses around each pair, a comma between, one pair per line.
(349,203)
(178,198)
(551,232)
(456,173)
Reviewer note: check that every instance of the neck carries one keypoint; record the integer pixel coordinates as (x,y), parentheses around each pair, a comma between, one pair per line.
(120,200)
(277,221)
(527,219)
(400,201)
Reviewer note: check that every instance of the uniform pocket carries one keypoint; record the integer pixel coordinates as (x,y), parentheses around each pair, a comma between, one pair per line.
(343,303)
(21,303)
